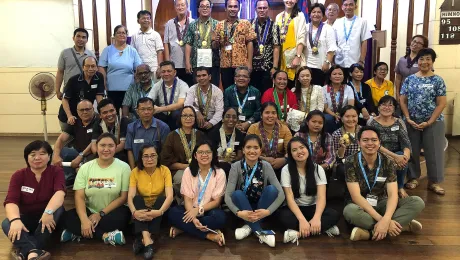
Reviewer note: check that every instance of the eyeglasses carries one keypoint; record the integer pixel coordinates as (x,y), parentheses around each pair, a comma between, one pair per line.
(231,116)
(87,110)
(187,116)
(207,152)
(242,76)
(147,109)
(90,66)
(151,156)
(205,7)
(416,42)
(120,33)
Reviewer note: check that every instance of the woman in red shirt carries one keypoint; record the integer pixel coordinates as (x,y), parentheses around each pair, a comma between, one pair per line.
(33,204)
(280,80)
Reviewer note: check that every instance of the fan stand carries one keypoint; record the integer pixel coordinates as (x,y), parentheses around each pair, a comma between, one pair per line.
(45,128)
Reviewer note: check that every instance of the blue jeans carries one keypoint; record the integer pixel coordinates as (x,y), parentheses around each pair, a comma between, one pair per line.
(330,125)
(67,155)
(34,239)
(213,219)
(269,195)
(401,174)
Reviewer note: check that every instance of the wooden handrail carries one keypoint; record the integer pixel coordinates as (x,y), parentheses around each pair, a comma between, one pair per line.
(95,30)
(81,20)
(108,23)
(123,12)
(394,38)
(426,18)
(378,24)
(410,24)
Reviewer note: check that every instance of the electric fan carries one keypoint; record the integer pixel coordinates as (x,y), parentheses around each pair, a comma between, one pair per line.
(41,87)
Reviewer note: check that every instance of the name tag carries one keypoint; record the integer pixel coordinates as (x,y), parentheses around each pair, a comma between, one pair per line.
(237,143)
(372,199)
(381,179)
(346,47)
(94,86)
(362,101)
(255,181)
(242,118)
(138,141)
(251,98)
(415,65)
(280,141)
(27,189)
(395,128)
(427,85)
(228,47)
(89,130)
(386,92)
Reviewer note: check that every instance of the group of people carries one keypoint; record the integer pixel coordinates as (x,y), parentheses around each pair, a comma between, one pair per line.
(183,147)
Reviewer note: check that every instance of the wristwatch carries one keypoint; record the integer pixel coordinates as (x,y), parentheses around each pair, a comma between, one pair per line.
(49,211)
(201,211)
(328,62)
(298,55)
(361,61)
(81,154)
(249,122)
(102,213)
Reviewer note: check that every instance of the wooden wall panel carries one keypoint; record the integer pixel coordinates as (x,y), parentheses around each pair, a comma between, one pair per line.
(165,11)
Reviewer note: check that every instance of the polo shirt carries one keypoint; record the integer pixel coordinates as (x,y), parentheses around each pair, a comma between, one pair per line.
(31,196)
(77,88)
(98,130)
(380,91)
(176,52)
(67,63)
(150,186)
(251,109)
(133,94)
(82,134)
(137,136)
(156,93)
(147,45)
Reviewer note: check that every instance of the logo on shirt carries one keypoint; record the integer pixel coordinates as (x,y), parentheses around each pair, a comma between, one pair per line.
(101,183)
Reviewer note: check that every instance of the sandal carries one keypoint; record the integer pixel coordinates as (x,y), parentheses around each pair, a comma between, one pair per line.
(412,184)
(173,232)
(41,254)
(219,238)
(17,255)
(434,187)
(402,193)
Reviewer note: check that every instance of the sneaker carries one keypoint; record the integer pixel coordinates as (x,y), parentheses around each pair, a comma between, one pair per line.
(333,231)
(115,238)
(242,232)
(359,234)
(68,236)
(291,235)
(267,239)
(414,226)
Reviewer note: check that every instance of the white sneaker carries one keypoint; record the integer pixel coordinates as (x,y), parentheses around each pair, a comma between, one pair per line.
(267,239)
(333,231)
(242,232)
(291,235)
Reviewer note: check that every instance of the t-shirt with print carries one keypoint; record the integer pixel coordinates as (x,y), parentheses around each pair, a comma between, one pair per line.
(150,186)
(353,173)
(102,186)
(304,199)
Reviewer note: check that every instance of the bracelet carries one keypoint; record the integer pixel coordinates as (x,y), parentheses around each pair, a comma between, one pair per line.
(14,219)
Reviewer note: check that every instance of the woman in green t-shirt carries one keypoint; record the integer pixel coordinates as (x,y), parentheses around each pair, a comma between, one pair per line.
(101,189)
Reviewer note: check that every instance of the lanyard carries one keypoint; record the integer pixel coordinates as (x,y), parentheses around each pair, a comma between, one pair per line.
(178,32)
(200,196)
(314,43)
(265,33)
(364,171)
(337,97)
(310,144)
(347,35)
(244,100)
(248,180)
(360,90)
(171,98)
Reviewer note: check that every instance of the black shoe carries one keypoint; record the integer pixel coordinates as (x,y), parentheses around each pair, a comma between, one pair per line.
(149,251)
(137,246)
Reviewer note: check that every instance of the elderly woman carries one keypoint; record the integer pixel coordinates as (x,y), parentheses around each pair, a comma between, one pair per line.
(380,86)
(423,98)
(394,139)
(321,44)
(152,183)
(118,63)
(101,190)
(33,204)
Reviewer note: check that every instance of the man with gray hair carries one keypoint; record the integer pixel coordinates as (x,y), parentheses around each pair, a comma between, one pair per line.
(139,89)
(244,98)
(174,44)
(332,12)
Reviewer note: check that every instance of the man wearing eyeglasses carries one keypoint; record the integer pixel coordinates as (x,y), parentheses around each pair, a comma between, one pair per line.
(197,40)
(89,85)
(244,98)
(81,131)
(139,89)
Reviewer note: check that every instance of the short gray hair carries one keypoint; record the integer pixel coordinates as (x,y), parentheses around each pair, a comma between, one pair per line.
(240,68)
(186,2)
(336,6)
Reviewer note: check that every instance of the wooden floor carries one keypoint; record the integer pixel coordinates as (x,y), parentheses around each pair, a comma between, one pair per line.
(440,238)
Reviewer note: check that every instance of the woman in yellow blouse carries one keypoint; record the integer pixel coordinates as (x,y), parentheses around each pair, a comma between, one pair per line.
(379,85)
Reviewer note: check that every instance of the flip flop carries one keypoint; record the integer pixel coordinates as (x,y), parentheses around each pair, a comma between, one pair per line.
(222,238)
(411,184)
(434,187)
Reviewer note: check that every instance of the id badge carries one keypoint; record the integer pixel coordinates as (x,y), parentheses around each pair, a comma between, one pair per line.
(228,47)
(93,86)
(362,101)
(255,181)
(346,47)
(242,118)
(372,199)
(252,98)
(90,130)
(138,141)
(395,128)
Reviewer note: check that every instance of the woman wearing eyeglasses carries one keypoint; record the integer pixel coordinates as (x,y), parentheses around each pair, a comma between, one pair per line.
(379,85)
(203,186)
(179,144)
(117,63)
(152,183)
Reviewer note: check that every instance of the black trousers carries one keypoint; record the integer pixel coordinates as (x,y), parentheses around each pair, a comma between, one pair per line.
(34,239)
(171,119)
(186,77)
(318,77)
(329,217)
(228,77)
(116,219)
(261,80)
(152,226)
(117,98)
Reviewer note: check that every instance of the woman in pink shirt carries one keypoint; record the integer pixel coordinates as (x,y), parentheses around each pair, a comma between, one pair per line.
(203,186)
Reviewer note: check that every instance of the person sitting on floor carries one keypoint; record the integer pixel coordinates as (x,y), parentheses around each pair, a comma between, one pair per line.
(109,123)
(33,204)
(101,190)
(81,132)
(304,184)
(373,206)
(203,186)
(152,183)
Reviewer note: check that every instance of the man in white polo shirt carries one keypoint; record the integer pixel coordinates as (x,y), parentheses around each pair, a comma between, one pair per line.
(352,35)
(148,43)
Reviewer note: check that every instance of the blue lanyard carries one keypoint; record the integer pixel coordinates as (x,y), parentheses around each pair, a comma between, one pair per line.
(171,98)
(200,196)
(360,90)
(202,95)
(347,35)
(337,98)
(310,144)
(271,143)
(244,100)
(249,178)
(265,33)
(364,171)
(189,143)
